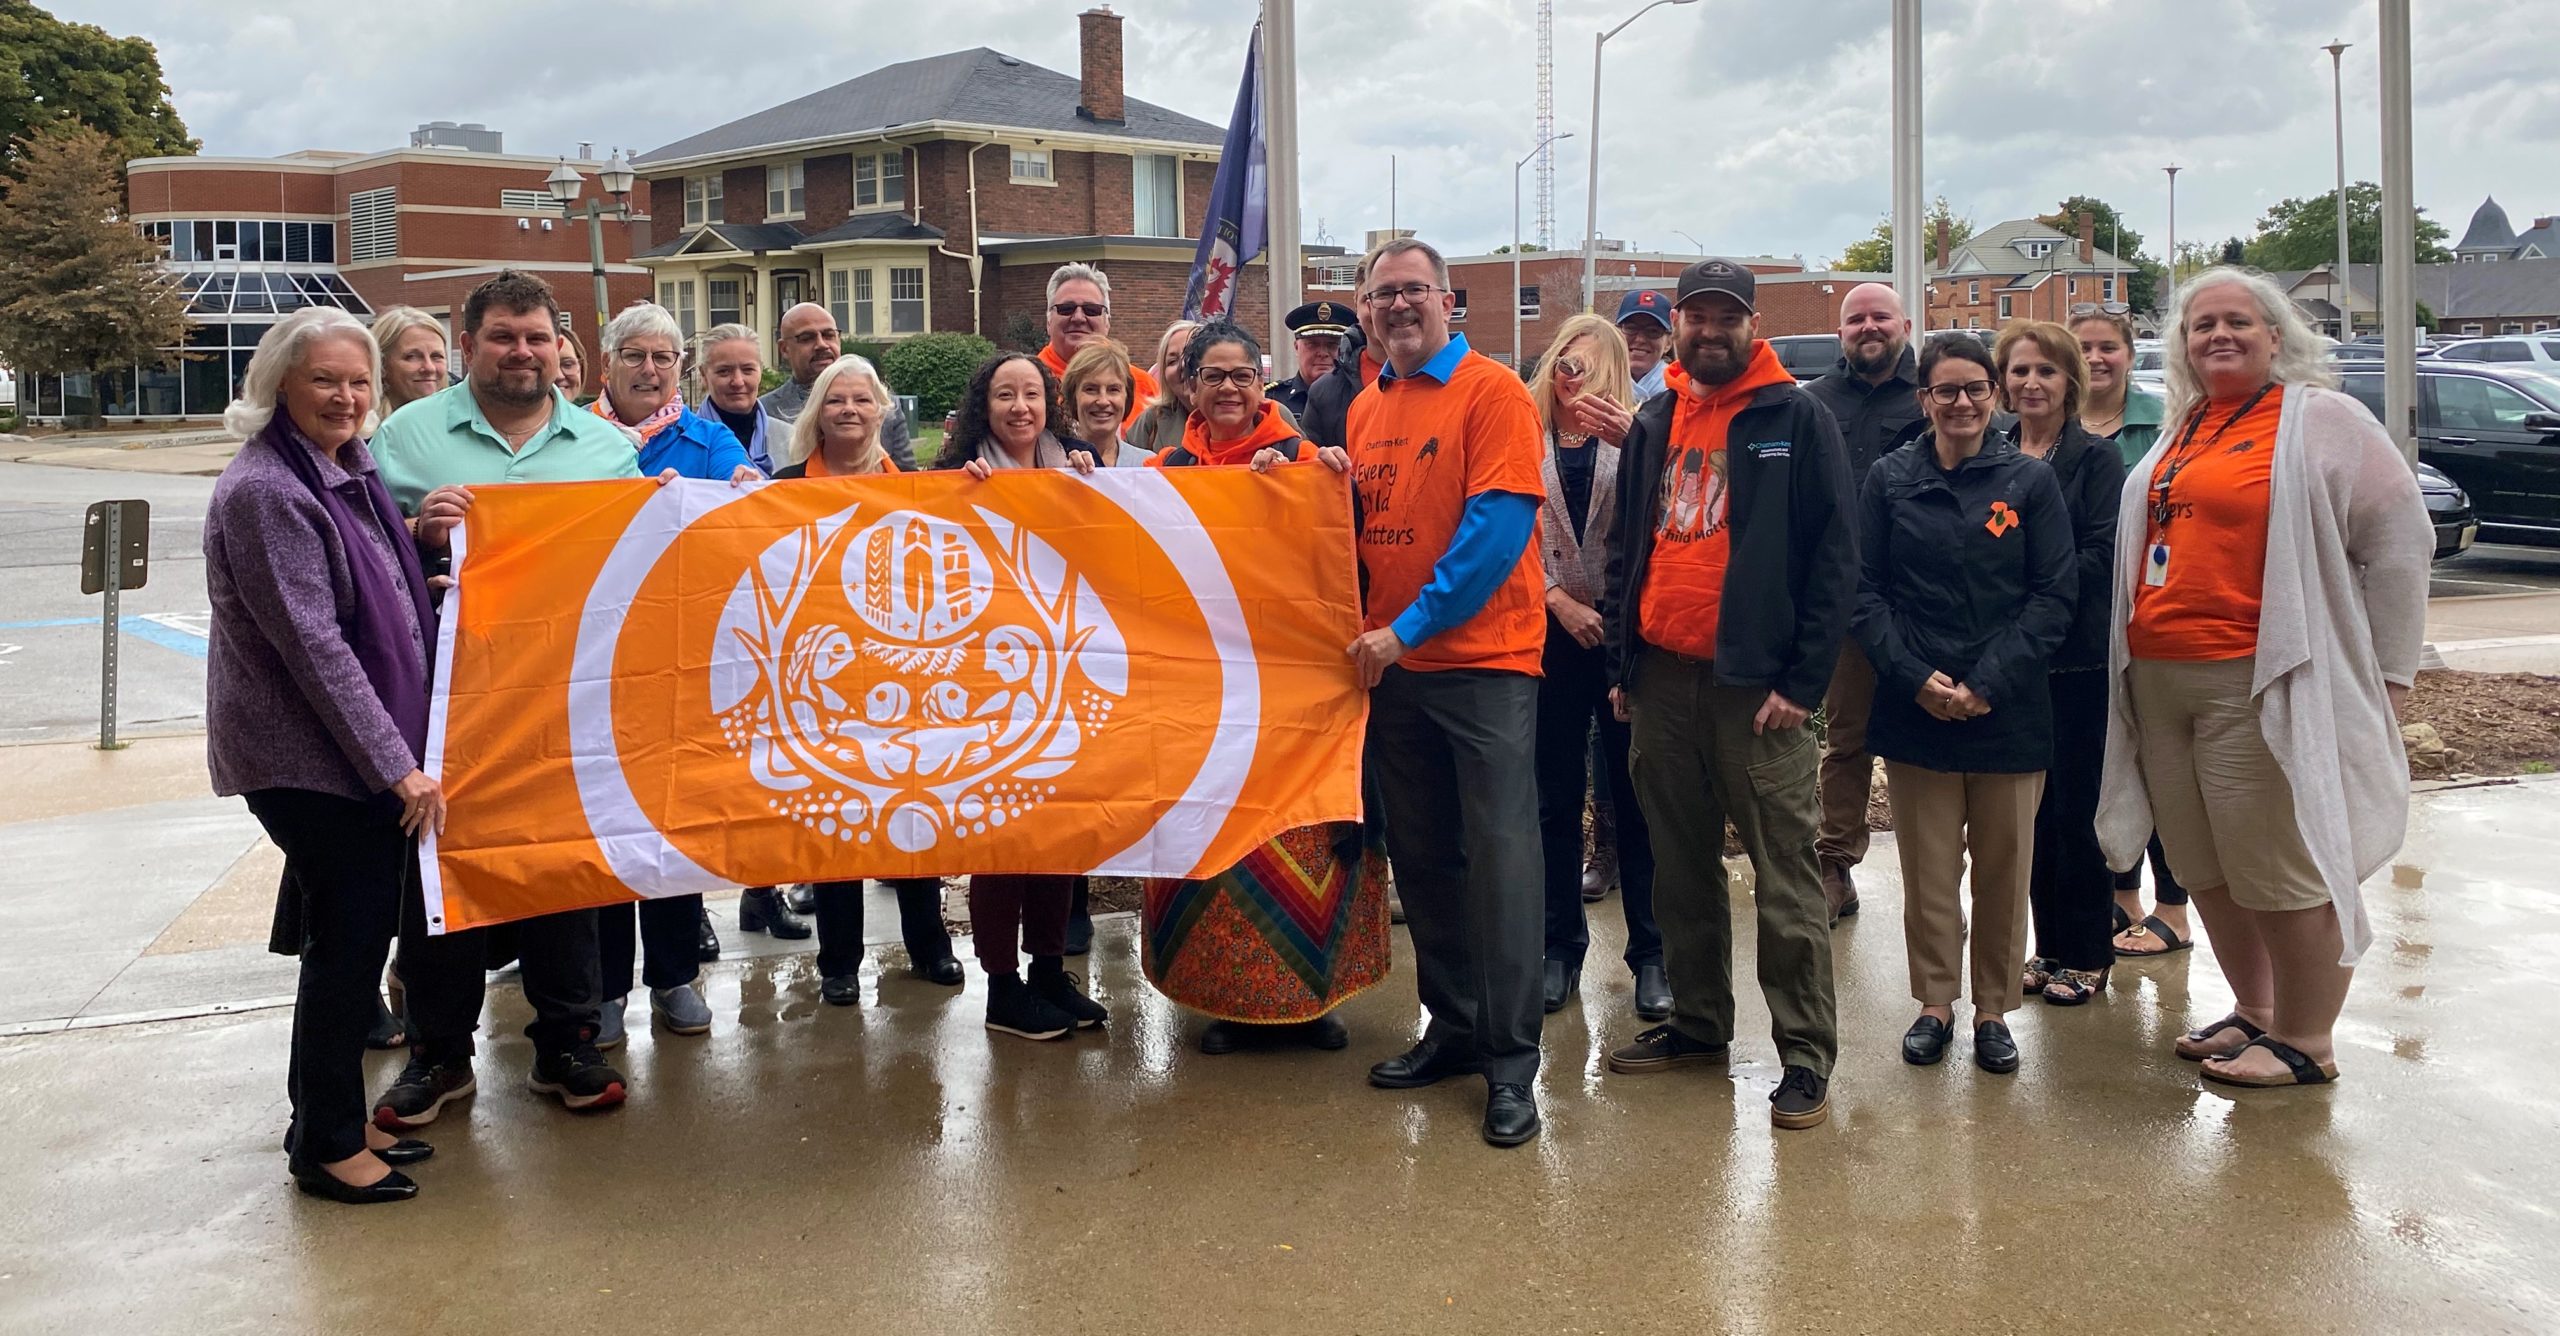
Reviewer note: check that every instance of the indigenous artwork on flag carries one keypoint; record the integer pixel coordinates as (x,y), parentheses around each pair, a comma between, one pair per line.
(646,690)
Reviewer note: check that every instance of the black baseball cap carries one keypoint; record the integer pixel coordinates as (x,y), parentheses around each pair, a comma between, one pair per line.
(1716,276)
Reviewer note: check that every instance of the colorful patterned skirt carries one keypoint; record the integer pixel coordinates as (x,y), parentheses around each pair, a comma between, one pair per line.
(1288,934)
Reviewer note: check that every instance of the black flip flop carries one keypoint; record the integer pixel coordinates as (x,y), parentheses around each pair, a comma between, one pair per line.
(2234,1021)
(2300,1070)
(2151,924)
(2123,921)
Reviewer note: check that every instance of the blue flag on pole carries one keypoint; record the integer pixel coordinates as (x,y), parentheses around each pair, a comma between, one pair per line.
(1235,230)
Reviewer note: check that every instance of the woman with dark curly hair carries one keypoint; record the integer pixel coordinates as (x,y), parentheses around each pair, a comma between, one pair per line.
(1005,416)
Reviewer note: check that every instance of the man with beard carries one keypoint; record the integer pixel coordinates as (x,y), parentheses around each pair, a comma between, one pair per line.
(1873,395)
(810,343)
(1724,620)
(1644,321)
(1445,459)
(505,422)
(1079,313)
(1317,330)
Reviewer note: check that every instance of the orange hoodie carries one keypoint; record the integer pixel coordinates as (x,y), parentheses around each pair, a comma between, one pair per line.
(1271,429)
(1683,593)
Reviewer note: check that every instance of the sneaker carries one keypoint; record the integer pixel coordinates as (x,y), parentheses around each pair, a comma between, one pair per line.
(680,1009)
(1802,1099)
(1065,992)
(609,1028)
(579,1076)
(1661,1047)
(1013,1008)
(421,1092)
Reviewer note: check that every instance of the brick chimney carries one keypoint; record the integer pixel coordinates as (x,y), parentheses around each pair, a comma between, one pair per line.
(1100,97)
(2088,237)
(1944,245)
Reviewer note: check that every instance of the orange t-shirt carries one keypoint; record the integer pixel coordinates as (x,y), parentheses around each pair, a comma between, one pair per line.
(2224,480)
(1419,449)
(1142,387)
(817,466)
(1683,595)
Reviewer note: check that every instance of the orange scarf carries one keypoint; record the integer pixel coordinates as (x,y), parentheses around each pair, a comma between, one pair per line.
(1270,429)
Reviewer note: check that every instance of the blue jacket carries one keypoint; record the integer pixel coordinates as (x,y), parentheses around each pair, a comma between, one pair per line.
(696,447)
(760,445)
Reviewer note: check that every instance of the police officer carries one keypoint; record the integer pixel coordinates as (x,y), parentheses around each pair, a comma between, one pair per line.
(1317,329)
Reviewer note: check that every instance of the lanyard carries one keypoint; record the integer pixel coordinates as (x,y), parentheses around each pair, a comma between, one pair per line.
(2180,456)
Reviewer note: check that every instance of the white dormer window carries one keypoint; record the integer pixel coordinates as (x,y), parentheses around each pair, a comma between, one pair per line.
(2036,250)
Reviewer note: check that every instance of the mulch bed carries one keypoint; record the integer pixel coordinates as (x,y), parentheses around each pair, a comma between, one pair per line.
(2459,723)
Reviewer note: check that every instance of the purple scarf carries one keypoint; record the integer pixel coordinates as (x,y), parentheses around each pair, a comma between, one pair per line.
(373,628)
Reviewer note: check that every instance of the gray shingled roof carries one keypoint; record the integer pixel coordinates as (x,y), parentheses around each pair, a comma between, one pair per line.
(977,86)
(876,227)
(2508,287)
(2489,229)
(753,238)
(1995,247)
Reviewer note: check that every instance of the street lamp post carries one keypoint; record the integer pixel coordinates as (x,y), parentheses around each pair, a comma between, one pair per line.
(1515,240)
(2172,294)
(1702,246)
(2338,115)
(1591,193)
(616,178)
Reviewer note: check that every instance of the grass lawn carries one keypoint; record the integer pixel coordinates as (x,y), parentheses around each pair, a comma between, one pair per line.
(928,444)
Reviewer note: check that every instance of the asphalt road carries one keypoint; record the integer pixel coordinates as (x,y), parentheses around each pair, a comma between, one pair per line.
(50,636)
(2497,569)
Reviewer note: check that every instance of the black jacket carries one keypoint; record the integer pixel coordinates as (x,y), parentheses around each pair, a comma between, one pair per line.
(1326,418)
(1875,420)
(1969,573)
(1792,572)
(2092,478)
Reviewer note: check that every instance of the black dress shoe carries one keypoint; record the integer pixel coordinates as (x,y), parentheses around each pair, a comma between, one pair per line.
(1563,979)
(706,943)
(1325,1032)
(762,910)
(1653,993)
(840,990)
(1219,1038)
(1423,1064)
(393,1186)
(1995,1050)
(1926,1041)
(1510,1115)
(801,898)
(407,1150)
(944,970)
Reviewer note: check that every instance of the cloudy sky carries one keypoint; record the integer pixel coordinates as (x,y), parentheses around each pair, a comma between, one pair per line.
(1753,126)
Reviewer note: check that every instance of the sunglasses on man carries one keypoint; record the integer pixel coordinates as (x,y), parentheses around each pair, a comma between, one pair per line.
(1089,310)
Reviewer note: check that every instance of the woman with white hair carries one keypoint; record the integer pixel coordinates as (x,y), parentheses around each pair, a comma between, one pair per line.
(413,355)
(2266,629)
(316,712)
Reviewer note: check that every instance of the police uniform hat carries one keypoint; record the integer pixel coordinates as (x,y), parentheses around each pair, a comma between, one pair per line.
(1320,319)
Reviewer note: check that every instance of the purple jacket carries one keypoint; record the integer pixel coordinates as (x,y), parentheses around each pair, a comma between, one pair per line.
(286,703)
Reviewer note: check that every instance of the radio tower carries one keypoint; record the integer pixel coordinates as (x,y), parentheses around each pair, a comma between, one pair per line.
(1546,124)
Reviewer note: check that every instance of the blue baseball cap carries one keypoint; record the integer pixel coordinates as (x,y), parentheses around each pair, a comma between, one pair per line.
(1648,303)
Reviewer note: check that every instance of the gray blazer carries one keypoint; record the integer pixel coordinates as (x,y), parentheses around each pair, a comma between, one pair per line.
(1580,566)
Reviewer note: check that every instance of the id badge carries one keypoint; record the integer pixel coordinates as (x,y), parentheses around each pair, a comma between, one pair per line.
(2155,567)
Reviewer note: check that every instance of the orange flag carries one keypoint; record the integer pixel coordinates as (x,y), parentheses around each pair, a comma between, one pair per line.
(645,691)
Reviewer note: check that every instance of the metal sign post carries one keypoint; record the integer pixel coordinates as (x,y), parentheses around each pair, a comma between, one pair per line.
(115,555)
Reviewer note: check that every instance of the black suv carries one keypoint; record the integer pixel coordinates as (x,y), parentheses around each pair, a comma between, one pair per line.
(2494,430)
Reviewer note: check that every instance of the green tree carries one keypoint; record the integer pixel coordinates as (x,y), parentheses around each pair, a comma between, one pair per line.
(2234,251)
(2108,229)
(80,287)
(2303,233)
(935,368)
(1873,253)
(54,75)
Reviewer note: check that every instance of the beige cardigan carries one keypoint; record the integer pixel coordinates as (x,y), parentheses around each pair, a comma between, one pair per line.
(2343,611)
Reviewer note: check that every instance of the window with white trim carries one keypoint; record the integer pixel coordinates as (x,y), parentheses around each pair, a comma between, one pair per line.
(839,297)
(373,224)
(880,180)
(677,296)
(726,305)
(906,300)
(1972,291)
(1529,301)
(1459,295)
(1157,179)
(704,199)
(861,303)
(786,189)
(2004,305)
(2107,288)
(1032,164)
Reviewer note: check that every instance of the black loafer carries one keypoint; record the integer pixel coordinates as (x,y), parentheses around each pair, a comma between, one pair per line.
(946,971)
(1326,1033)
(706,940)
(840,990)
(1423,1064)
(1653,993)
(407,1150)
(1926,1041)
(1510,1115)
(1562,980)
(1995,1050)
(1218,1038)
(393,1186)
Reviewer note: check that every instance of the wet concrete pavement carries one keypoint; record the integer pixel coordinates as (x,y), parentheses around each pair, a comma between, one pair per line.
(816,1168)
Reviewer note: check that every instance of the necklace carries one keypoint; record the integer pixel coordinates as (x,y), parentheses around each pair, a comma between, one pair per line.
(2180,455)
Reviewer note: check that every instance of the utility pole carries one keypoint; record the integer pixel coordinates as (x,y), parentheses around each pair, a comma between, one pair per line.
(2399,236)
(1910,261)
(2171,295)
(2338,115)
(1280,177)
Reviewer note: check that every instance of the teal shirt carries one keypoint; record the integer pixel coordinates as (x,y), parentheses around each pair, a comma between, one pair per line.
(445,440)
(2141,426)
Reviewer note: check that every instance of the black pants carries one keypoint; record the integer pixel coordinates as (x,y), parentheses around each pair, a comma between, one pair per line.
(2070,890)
(2164,887)
(840,923)
(669,927)
(351,867)
(1455,757)
(447,978)
(1574,692)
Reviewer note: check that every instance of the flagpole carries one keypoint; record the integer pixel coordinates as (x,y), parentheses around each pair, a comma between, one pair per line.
(1280,213)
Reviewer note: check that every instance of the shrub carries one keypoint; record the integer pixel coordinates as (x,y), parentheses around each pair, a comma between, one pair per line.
(935,368)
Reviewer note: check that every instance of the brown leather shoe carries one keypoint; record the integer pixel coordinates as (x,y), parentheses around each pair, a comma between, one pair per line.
(1838,890)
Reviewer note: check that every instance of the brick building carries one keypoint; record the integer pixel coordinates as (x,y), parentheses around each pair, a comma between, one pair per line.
(937,195)
(253,239)
(1550,290)
(2020,270)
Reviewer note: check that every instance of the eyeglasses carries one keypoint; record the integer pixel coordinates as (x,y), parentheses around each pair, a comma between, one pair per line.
(1089,310)
(636,358)
(1210,377)
(1572,368)
(2079,309)
(1976,390)
(1411,293)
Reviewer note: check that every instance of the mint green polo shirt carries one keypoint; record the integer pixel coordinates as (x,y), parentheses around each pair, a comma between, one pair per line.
(445,440)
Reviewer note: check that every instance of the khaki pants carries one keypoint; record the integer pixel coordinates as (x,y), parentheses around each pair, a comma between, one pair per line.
(1848,769)
(1940,819)
(1696,762)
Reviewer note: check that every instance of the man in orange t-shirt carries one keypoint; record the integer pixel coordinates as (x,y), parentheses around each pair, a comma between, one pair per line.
(1080,312)
(1444,456)
(1729,595)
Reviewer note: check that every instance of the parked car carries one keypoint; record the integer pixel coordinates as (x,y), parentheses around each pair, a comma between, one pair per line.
(2449,509)
(2539,350)
(2494,432)
(1806,356)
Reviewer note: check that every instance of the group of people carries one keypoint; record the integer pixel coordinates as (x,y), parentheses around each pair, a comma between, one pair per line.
(1660,578)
